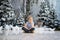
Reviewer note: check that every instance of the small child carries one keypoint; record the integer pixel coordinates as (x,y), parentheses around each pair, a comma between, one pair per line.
(29,26)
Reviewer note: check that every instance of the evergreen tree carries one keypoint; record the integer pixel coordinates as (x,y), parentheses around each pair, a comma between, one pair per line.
(47,14)
(7,12)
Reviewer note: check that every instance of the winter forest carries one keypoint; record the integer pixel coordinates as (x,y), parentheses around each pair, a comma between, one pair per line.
(15,12)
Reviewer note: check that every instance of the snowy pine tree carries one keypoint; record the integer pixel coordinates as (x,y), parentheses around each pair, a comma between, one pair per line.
(7,12)
(47,14)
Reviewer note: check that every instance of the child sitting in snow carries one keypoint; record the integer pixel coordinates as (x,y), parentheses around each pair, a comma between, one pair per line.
(29,26)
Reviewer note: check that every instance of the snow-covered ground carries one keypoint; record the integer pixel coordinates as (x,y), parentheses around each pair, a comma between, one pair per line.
(9,29)
(39,34)
(44,30)
(32,36)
